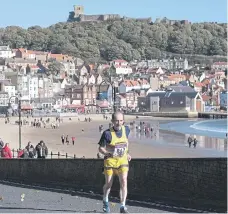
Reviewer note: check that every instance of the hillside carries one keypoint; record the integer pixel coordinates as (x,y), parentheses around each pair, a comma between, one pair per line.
(104,41)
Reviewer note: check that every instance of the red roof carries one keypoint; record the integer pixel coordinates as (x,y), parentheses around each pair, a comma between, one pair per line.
(206,98)
(26,107)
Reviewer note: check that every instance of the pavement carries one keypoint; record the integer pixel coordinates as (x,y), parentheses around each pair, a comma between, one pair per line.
(19,198)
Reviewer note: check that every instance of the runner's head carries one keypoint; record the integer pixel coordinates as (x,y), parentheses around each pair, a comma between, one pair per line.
(117,120)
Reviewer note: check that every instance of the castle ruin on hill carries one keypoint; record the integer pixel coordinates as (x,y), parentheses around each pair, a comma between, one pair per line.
(78,16)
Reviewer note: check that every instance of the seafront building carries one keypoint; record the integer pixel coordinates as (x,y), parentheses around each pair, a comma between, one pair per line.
(151,85)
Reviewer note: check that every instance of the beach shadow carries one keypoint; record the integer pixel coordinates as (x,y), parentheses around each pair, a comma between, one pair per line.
(91,195)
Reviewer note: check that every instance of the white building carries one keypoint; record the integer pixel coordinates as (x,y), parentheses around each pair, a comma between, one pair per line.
(28,86)
(129,85)
(123,70)
(91,79)
(7,87)
(169,64)
(10,89)
(219,65)
(69,67)
(6,52)
(121,67)
(56,86)
(33,87)
(119,62)
(45,87)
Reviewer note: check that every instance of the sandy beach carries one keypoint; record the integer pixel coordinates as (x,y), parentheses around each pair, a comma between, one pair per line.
(86,143)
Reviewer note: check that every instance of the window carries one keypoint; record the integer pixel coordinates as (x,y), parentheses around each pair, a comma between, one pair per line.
(181,102)
(79,96)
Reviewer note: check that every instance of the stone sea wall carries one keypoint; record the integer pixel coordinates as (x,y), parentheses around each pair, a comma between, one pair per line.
(196,183)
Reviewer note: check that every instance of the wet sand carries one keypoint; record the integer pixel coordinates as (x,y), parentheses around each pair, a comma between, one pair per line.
(163,145)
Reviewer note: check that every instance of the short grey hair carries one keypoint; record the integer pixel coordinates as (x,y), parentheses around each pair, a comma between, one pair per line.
(117,113)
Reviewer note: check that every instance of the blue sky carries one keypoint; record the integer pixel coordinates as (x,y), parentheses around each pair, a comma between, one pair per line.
(44,13)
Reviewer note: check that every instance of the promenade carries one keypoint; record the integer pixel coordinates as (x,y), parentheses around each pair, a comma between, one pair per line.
(17,198)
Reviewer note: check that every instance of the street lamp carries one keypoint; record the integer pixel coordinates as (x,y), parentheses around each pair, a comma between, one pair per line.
(114,89)
(19,115)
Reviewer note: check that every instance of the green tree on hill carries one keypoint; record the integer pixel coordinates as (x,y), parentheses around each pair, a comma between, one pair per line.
(126,39)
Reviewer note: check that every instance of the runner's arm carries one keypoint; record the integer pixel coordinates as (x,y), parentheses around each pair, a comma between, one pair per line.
(127,134)
(102,144)
(103,151)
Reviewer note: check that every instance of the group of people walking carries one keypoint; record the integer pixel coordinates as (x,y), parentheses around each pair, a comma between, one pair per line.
(192,140)
(66,139)
(39,151)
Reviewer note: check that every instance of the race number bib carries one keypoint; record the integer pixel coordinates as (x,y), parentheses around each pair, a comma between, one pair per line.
(119,152)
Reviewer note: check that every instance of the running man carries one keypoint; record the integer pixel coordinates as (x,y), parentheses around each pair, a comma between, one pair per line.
(114,146)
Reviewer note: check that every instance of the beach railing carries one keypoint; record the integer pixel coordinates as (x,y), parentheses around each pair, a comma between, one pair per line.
(66,156)
(52,155)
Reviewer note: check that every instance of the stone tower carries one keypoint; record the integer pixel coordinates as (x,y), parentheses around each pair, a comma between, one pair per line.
(78,10)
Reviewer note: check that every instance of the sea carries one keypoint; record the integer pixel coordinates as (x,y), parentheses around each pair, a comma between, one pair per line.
(210,133)
(211,128)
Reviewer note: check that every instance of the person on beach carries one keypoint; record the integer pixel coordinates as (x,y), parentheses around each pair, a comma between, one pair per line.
(31,150)
(100,128)
(67,140)
(6,152)
(23,153)
(190,140)
(73,140)
(195,141)
(225,143)
(114,146)
(1,146)
(42,150)
(63,139)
